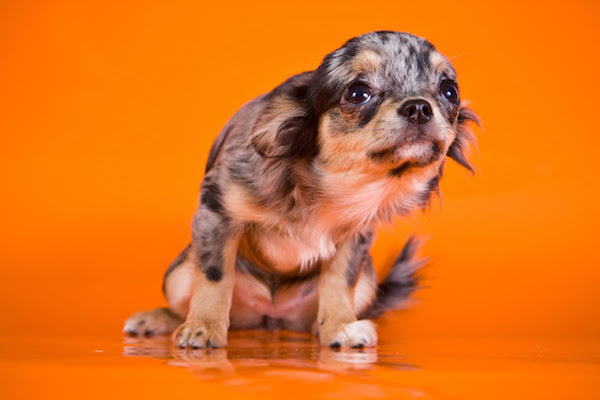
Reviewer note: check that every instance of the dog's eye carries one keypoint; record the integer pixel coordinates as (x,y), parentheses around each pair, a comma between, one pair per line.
(449,91)
(358,93)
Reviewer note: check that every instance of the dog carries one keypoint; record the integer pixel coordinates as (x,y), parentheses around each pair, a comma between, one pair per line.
(294,186)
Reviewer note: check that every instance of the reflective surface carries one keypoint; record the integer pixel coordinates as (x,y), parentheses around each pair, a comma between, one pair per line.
(274,365)
(108,111)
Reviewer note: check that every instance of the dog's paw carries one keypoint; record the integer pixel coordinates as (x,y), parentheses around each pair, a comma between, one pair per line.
(152,322)
(198,334)
(354,334)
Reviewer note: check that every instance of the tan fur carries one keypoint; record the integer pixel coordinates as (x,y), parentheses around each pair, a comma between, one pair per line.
(364,292)
(244,206)
(348,152)
(178,288)
(336,298)
(365,62)
(437,60)
(153,322)
(207,321)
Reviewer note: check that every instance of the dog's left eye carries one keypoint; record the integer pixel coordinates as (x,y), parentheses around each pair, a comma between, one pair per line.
(449,91)
(358,93)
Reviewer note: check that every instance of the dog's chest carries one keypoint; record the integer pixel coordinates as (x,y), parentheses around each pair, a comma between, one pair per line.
(296,246)
(302,243)
(349,209)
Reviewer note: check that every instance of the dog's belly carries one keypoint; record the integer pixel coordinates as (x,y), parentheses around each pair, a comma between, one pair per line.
(291,307)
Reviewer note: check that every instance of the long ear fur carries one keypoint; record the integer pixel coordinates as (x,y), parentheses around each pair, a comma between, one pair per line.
(465,138)
(287,127)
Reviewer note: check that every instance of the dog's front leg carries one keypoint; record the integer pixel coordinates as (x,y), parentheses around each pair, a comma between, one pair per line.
(214,247)
(337,324)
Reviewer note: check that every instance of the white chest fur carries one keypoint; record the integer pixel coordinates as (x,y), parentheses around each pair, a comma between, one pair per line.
(301,245)
(349,210)
(348,204)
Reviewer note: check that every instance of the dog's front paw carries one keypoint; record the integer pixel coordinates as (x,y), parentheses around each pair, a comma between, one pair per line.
(152,322)
(354,334)
(198,334)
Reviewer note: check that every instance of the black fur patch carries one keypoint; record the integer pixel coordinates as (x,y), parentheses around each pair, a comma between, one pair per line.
(214,273)
(364,238)
(423,64)
(210,233)
(211,197)
(398,285)
(350,49)
(369,110)
(398,171)
(240,172)
(433,183)
(285,185)
(205,257)
(436,152)
(379,155)
(457,153)
(271,324)
(273,280)
(431,187)
(467,115)
(299,136)
(360,253)
(464,138)
(384,36)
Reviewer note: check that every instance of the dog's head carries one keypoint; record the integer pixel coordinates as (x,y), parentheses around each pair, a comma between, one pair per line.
(385,101)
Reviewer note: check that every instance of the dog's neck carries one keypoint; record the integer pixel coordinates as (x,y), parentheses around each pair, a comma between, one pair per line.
(362,199)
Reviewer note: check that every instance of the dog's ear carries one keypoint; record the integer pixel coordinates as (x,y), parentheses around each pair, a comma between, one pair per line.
(287,126)
(465,138)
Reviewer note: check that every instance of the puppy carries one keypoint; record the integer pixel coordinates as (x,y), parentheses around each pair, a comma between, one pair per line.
(295,184)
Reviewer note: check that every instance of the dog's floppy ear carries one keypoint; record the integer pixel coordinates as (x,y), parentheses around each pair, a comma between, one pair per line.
(459,149)
(287,126)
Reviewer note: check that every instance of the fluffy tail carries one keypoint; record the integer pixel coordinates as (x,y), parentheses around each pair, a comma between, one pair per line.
(399,284)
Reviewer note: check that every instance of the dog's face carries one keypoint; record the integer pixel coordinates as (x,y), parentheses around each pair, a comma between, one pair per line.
(385,102)
(390,101)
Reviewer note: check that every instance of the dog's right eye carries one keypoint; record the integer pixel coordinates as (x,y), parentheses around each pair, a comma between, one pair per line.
(358,94)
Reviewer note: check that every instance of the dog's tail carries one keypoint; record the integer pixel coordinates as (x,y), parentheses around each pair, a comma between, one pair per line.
(399,284)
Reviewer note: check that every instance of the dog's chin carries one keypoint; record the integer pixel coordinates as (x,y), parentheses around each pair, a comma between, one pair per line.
(419,152)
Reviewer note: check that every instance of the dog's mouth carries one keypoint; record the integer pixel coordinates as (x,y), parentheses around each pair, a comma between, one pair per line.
(418,152)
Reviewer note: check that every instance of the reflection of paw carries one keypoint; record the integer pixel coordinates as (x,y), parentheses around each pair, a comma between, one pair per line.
(197,334)
(153,322)
(205,364)
(354,334)
(345,359)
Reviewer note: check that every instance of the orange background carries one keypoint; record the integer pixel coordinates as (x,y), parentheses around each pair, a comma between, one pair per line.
(109,110)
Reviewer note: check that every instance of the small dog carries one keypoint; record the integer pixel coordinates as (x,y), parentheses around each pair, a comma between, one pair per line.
(295,184)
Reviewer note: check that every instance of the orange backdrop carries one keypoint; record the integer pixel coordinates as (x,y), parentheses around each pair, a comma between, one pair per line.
(108,111)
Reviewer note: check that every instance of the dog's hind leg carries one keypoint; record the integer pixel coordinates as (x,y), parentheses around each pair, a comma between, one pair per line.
(152,322)
(177,287)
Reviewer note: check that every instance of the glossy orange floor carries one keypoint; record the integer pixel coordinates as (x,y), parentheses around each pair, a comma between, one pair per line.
(107,115)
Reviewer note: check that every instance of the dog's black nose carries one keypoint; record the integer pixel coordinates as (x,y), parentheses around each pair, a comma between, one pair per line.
(416,111)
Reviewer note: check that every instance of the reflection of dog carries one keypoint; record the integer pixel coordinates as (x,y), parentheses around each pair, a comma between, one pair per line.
(294,185)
